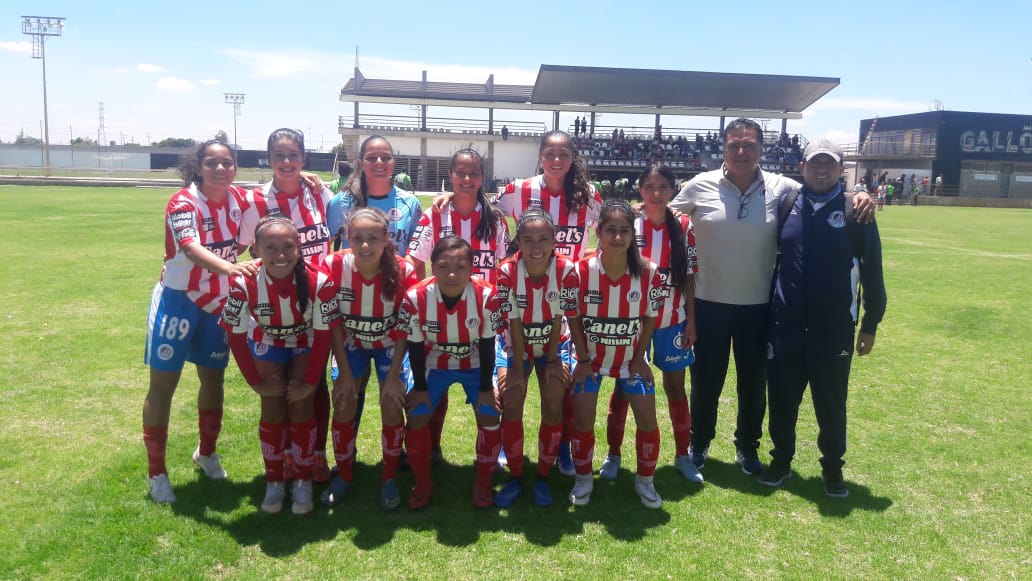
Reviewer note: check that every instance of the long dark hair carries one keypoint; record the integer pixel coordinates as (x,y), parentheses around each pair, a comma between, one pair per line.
(300,273)
(449,243)
(577,181)
(190,165)
(678,250)
(356,184)
(286,133)
(487,229)
(389,270)
(611,209)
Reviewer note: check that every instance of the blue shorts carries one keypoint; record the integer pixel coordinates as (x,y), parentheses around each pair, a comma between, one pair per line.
(505,361)
(628,385)
(179,331)
(273,354)
(439,380)
(358,360)
(667,350)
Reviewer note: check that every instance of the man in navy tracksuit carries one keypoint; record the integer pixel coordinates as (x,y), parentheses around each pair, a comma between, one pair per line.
(825,253)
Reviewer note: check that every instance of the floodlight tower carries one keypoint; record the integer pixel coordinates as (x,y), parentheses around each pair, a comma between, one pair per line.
(40,27)
(237,99)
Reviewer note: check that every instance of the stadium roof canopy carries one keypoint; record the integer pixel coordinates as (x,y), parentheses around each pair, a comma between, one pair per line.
(611,90)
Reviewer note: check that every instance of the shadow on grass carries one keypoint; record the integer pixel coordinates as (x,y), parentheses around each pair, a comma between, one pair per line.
(233,507)
(812,489)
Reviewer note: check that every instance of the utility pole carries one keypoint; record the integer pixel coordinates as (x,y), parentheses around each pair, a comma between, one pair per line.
(39,28)
(236,99)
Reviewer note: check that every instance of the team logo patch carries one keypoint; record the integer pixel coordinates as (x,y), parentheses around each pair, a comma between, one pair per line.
(634,296)
(473,322)
(308,202)
(679,341)
(234,215)
(261,349)
(837,219)
(165,352)
(552,296)
(394,214)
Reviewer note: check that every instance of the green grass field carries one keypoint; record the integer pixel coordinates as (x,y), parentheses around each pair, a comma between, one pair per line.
(938,461)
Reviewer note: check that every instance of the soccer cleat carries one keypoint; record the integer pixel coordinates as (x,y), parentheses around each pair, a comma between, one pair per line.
(209,464)
(688,469)
(565,460)
(610,467)
(750,463)
(542,493)
(336,491)
(698,456)
(161,489)
(834,484)
(302,494)
(776,473)
(483,495)
(320,468)
(583,485)
(390,496)
(646,490)
(275,493)
(508,493)
(420,497)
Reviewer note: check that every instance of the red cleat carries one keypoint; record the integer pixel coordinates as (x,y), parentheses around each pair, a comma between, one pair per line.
(320,469)
(483,494)
(421,494)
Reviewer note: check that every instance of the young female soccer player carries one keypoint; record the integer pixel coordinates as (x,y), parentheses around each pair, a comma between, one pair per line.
(201,225)
(451,320)
(360,301)
(669,242)
(619,296)
(288,194)
(269,320)
(565,193)
(535,288)
(468,215)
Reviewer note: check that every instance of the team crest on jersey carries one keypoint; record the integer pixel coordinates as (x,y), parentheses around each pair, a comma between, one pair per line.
(634,296)
(234,215)
(552,296)
(165,352)
(394,214)
(679,341)
(837,219)
(308,202)
(260,349)
(473,322)
(594,297)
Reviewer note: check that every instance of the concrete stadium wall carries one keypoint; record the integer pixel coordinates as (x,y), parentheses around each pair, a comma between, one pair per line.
(973,202)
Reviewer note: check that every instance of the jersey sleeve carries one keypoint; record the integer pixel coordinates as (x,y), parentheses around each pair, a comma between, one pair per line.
(509,201)
(181,219)
(236,315)
(326,310)
(689,240)
(657,292)
(249,218)
(493,318)
(408,319)
(421,244)
(503,290)
(569,290)
(594,207)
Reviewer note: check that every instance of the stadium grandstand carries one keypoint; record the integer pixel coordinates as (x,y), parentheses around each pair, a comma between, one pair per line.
(424,143)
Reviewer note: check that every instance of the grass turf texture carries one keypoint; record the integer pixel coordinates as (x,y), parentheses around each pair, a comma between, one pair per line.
(938,461)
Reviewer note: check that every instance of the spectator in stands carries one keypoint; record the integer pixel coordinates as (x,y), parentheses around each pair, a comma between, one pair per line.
(736,246)
(505,132)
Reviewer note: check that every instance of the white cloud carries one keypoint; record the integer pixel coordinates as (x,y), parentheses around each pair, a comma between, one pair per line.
(210,82)
(174,84)
(149,68)
(11,46)
(276,65)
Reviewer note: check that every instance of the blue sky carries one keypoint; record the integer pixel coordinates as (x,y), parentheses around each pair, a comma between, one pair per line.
(161,69)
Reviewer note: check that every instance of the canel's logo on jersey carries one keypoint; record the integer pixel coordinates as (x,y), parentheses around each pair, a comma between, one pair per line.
(837,219)
(483,259)
(568,235)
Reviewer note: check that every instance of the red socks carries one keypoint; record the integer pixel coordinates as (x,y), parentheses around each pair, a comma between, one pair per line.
(155,439)
(681,418)
(548,447)
(209,424)
(437,421)
(271,437)
(344,447)
(302,439)
(616,422)
(648,451)
(417,443)
(582,446)
(392,438)
(512,442)
(489,441)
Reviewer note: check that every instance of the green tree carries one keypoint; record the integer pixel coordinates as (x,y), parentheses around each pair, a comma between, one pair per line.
(175,142)
(23,139)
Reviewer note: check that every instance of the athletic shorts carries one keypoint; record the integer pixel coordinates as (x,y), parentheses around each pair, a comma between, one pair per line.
(439,380)
(273,354)
(358,360)
(628,385)
(667,350)
(504,360)
(179,331)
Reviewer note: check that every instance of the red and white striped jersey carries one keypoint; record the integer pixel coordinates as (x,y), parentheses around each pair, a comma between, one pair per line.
(612,313)
(572,229)
(306,208)
(192,217)
(350,299)
(436,225)
(536,303)
(268,309)
(654,243)
(451,336)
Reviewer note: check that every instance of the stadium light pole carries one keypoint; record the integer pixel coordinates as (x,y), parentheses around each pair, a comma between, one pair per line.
(236,99)
(40,27)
